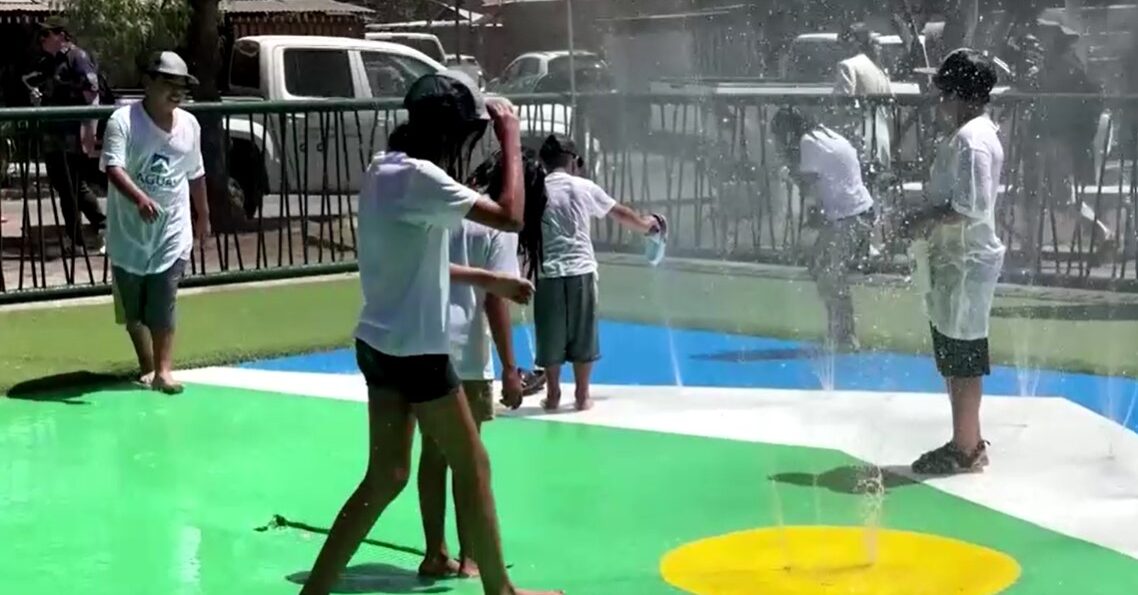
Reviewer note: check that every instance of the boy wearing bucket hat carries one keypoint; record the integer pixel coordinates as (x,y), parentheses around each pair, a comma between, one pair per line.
(409,203)
(152,158)
(964,252)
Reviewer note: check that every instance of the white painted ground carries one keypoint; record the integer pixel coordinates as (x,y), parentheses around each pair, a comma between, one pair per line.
(1054,463)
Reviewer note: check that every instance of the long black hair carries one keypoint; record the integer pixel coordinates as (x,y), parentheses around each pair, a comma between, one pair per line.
(449,146)
(488,178)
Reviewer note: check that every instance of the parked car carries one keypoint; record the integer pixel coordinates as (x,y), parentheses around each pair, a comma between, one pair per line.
(527,71)
(281,67)
(427,43)
(468,64)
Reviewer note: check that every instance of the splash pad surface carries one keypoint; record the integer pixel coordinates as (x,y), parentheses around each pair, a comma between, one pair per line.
(130,491)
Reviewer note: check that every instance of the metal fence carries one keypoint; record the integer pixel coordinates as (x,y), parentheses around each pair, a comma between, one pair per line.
(706,162)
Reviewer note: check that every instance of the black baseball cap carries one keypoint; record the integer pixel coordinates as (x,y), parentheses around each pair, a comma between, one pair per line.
(967,74)
(448,96)
(556,145)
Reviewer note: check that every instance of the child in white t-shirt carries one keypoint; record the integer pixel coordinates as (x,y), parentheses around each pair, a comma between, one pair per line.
(828,171)
(559,246)
(965,254)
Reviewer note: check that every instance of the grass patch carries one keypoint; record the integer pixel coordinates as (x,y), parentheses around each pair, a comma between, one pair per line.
(248,323)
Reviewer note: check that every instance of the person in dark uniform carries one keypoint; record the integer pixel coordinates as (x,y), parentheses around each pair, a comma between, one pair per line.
(70,78)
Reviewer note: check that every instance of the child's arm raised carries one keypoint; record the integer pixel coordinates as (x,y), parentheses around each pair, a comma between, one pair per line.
(506,211)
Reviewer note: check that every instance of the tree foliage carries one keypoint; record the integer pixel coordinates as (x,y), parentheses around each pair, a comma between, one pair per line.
(122,33)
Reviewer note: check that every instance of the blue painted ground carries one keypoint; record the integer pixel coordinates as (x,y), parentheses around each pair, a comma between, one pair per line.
(639,354)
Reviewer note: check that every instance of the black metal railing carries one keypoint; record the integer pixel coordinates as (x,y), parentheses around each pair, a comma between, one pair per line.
(707,161)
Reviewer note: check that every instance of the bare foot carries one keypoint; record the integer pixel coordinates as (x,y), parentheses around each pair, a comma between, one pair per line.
(468,568)
(551,402)
(584,402)
(438,567)
(165,383)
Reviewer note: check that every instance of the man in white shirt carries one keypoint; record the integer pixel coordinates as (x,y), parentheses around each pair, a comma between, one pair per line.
(152,158)
(828,172)
(565,304)
(965,254)
(860,76)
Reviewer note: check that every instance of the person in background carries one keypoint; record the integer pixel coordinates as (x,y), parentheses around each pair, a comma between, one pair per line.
(477,320)
(152,157)
(828,173)
(565,305)
(71,78)
(965,255)
(1060,157)
(409,202)
(860,75)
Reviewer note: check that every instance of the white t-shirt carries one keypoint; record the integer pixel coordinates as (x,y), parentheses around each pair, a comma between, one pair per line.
(566,224)
(859,75)
(481,247)
(965,258)
(407,208)
(161,164)
(834,160)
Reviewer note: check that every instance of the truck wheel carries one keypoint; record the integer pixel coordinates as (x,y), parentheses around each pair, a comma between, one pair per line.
(246,178)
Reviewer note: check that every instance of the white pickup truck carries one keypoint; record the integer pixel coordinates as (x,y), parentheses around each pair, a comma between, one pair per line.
(327,151)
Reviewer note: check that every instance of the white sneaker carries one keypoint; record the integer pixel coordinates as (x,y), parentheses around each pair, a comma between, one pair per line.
(102,242)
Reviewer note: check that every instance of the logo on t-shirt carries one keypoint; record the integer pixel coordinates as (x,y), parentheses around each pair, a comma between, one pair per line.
(157,173)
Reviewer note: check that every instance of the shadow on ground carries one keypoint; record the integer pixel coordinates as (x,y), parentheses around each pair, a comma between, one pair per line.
(1087,312)
(68,388)
(849,479)
(378,578)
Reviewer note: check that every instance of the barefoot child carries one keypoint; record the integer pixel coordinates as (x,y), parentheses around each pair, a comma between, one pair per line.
(565,306)
(409,202)
(471,309)
(152,157)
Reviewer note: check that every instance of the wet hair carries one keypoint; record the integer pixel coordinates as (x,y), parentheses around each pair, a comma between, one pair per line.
(968,75)
(790,124)
(449,147)
(487,177)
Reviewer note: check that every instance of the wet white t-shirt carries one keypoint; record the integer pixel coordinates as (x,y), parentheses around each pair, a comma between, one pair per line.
(161,164)
(476,245)
(834,160)
(566,225)
(965,258)
(407,209)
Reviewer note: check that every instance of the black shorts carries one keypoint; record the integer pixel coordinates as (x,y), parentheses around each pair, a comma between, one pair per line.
(957,358)
(419,378)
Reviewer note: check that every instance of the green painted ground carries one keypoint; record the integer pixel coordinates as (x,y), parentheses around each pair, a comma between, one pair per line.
(1078,334)
(130,492)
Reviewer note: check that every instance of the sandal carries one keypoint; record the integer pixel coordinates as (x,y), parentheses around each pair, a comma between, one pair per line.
(950,459)
(532,382)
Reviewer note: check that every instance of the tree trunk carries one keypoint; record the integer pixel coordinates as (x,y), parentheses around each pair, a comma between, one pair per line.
(205,63)
(960,20)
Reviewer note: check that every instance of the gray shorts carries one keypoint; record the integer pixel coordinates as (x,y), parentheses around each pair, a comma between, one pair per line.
(147,299)
(565,318)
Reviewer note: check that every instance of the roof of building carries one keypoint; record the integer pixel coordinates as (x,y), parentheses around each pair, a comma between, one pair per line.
(232,6)
(271,6)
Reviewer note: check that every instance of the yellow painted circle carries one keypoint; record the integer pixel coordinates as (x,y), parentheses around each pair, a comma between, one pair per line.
(837,560)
